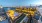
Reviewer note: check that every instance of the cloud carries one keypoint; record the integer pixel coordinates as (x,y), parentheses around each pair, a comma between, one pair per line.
(37,2)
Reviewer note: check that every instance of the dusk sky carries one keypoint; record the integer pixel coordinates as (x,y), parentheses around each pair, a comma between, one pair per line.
(20,2)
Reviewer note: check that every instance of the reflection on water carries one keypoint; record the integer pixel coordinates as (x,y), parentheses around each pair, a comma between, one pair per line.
(40,19)
(17,14)
(2,18)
